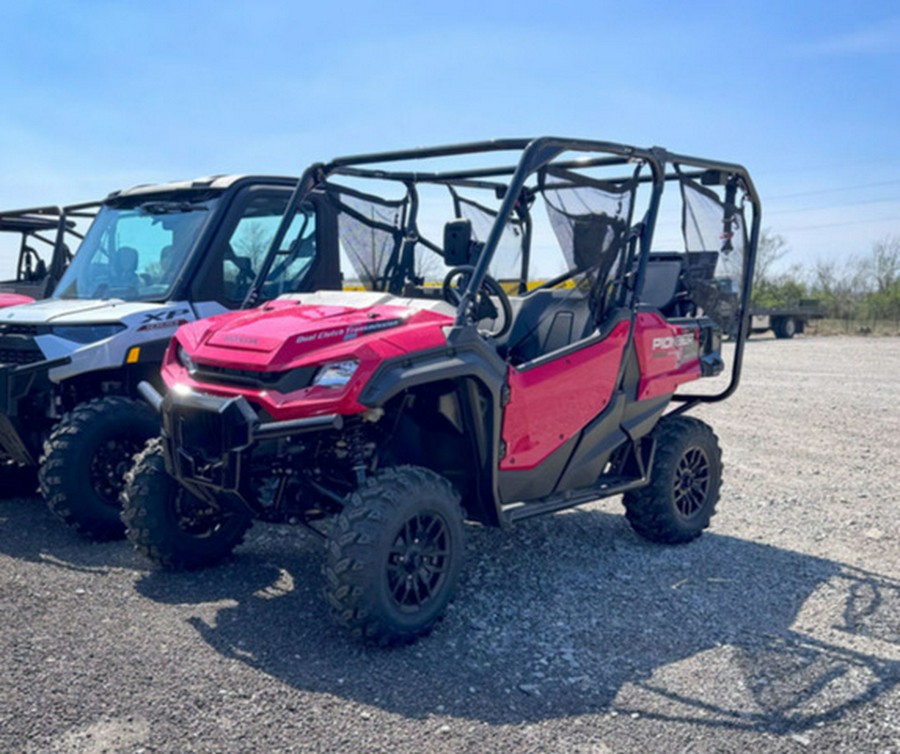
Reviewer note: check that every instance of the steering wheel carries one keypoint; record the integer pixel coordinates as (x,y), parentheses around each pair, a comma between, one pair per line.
(457,279)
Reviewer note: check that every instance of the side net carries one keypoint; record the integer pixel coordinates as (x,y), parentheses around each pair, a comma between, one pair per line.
(591,224)
(371,231)
(715,239)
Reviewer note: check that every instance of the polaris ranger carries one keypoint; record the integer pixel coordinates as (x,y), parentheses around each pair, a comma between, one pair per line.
(155,257)
(454,389)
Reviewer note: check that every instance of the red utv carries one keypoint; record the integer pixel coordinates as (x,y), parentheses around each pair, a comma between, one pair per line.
(528,357)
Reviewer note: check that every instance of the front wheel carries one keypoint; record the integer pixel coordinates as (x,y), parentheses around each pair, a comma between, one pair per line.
(685,479)
(171,526)
(394,555)
(85,459)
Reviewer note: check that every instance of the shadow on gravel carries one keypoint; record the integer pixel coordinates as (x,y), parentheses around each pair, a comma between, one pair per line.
(572,615)
(29,531)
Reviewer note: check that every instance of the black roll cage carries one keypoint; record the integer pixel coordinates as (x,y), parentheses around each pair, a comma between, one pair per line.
(535,155)
(51,226)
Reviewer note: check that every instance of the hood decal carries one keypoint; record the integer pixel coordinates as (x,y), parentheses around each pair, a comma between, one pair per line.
(350,331)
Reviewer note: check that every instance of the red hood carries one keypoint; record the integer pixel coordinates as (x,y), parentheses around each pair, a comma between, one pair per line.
(283,332)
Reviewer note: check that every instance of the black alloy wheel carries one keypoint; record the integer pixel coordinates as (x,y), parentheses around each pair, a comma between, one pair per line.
(691,482)
(419,561)
(678,503)
(394,555)
(109,464)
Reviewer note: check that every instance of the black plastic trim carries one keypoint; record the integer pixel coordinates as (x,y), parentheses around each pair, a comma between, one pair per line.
(468,355)
(596,443)
(529,484)
(16,382)
(640,417)
(466,358)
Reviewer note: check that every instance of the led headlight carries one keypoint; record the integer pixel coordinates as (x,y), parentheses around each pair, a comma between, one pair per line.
(184,358)
(87,333)
(335,374)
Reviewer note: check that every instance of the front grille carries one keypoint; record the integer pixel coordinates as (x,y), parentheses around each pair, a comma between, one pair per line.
(18,356)
(228,375)
(200,433)
(284,382)
(17,328)
(209,426)
(208,436)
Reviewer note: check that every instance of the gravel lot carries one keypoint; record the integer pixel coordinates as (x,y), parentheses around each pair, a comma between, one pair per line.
(778,630)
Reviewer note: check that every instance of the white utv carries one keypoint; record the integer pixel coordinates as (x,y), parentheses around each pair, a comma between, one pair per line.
(154,258)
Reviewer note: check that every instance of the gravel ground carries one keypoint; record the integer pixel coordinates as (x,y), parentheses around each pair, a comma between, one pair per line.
(778,630)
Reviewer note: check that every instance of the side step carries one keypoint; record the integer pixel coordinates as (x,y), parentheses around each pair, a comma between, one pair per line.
(570,499)
(604,487)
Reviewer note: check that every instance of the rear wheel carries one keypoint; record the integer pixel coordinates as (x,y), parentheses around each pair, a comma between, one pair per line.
(785,327)
(681,498)
(85,459)
(171,526)
(394,555)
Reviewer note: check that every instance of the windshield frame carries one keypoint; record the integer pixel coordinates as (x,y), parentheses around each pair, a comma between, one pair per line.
(154,279)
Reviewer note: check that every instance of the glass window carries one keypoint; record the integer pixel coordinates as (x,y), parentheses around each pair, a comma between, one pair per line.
(295,256)
(247,250)
(135,253)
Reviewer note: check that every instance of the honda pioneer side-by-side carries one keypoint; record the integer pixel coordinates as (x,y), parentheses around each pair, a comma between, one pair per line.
(522,347)
(155,257)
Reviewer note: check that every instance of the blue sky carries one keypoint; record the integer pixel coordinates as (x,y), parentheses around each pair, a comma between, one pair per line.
(103,95)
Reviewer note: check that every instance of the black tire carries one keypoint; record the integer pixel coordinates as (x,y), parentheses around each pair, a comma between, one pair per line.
(394,556)
(681,498)
(85,459)
(785,328)
(170,525)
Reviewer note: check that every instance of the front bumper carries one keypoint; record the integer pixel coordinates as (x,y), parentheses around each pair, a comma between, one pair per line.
(209,439)
(19,383)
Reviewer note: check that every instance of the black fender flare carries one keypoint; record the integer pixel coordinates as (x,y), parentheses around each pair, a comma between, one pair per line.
(472,363)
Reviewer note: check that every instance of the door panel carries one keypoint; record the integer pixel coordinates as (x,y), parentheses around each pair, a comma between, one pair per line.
(552,402)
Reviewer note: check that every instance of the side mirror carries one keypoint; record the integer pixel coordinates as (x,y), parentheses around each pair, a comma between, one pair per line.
(457,242)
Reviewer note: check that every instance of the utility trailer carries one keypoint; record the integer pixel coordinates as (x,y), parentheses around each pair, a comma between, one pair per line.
(786,321)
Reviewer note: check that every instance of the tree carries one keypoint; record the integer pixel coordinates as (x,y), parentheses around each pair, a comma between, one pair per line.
(884,271)
(252,240)
(886,263)
(771,248)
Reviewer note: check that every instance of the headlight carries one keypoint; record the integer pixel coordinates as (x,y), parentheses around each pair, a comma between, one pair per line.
(87,333)
(336,374)
(184,358)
